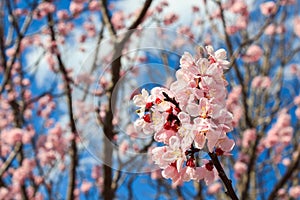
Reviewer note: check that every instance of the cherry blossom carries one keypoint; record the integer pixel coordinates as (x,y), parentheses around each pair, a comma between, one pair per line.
(118,20)
(85,186)
(170,18)
(218,57)
(295,191)
(188,118)
(214,188)
(253,54)
(270,30)
(239,169)
(248,136)
(262,82)
(268,8)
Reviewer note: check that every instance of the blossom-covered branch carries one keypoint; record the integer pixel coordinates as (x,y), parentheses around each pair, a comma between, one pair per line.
(188,118)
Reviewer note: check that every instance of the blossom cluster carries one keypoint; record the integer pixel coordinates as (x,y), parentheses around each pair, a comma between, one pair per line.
(188,118)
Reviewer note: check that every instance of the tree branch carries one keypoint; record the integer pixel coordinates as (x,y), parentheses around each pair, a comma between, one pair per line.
(137,21)
(108,127)
(227,182)
(10,158)
(106,19)
(67,87)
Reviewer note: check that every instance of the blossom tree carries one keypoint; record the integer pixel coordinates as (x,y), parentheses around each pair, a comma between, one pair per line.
(149,99)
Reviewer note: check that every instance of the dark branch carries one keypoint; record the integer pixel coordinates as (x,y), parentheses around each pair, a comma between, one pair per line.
(227,182)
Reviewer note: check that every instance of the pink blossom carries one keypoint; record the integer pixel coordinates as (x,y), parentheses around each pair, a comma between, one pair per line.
(190,134)
(231,30)
(187,117)
(118,20)
(218,57)
(85,186)
(65,28)
(242,22)
(174,153)
(280,29)
(19,12)
(214,188)
(170,19)
(225,144)
(207,172)
(43,9)
(270,30)
(216,14)
(144,124)
(233,104)
(130,130)
(4,192)
(30,191)
(297,26)
(90,28)
(286,162)
(239,7)
(249,136)
(38,179)
(297,100)
(141,99)
(281,192)
(253,54)
(261,82)
(23,172)
(172,173)
(27,113)
(85,78)
(27,136)
(157,153)
(76,193)
(186,31)
(164,3)
(195,9)
(12,136)
(295,191)
(123,147)
(164,135)
(159,8)
(10,52)
(281,132)
(94,5)
(96,172)
(240,168)
(62,14)
(268,8)
(25,82)
(76,7)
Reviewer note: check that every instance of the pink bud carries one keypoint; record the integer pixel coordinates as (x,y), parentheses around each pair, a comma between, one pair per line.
(268,8)
(253,54)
